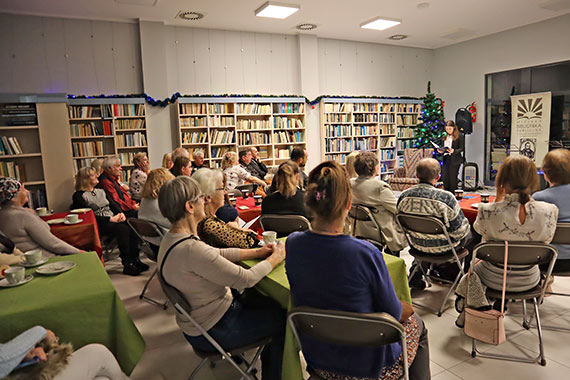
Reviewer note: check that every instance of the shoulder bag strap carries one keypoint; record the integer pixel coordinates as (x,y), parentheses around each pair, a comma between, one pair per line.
(504,277)
(170,250)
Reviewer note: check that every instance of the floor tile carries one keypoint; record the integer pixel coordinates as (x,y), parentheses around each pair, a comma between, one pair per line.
(446,375)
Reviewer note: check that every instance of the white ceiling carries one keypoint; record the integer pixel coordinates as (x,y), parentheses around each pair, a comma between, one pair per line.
(461,19)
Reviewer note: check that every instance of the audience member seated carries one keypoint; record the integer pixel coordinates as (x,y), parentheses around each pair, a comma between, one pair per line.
(255,160)
(198,161)
(425,199)
(22,226)
(213,230)
(37,354)
(97,164)
(119,198)
(182,166)
(204,275)
(368,190)
(138,175)
(149,205)
(350,164)
(289,198)
(300,157)
(179,152)
(110,223)
(514,216)
(556,167)
(247,162)
(361,284)
(167,161)
(235,174)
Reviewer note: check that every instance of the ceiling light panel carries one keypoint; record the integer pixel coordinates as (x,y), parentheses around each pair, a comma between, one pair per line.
(380,23)
(276,10)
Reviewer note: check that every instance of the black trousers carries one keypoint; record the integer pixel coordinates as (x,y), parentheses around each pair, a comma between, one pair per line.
(127,240)
(449,173)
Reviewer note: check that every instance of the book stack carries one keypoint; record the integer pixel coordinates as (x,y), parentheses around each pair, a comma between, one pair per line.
(18,114)
(130,124)
(10,146)
(254,109)
(11,169)
(223,137)
(84,112)
(131,139)
(89,149)
(189,109)
(194,138)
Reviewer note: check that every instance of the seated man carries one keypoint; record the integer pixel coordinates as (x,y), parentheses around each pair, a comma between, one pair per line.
(247,162)
(299,156)
(257,161)
(119,198)
(425,199)
(198,161)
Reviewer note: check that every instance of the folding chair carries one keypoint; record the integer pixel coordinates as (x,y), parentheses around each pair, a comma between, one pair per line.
(250,187)
(358,329)
(524,254)
(183,307)
(362,214)
(284,224)
(430,225)
(147,229)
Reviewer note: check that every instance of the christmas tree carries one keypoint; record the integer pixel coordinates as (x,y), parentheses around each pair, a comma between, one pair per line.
(432,125)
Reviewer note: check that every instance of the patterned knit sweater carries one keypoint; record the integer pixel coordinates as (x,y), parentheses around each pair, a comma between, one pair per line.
(425,199)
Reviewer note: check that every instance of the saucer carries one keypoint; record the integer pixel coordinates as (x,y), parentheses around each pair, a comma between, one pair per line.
(476,205)
(56,221)
(68,222)
(56,268)
(80,210)
(26,265)
(5,284)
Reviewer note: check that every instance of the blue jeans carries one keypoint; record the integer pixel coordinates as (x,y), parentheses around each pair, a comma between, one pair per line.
(245,322)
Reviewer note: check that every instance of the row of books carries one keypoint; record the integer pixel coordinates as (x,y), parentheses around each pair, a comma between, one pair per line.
(386,167)
(387,154)
(253,124)
(199,108)
(78,164)
(253,109)
(10,146)
(338,130)
(409,108)
(408,119)
(365,130)
(82,112)
(217,121)
(127,158)
(289,137)
(405,144)
(340,158)
(219,151)
(37,198)
(263,152)
(387,129)
(18,114)
(371,107)
(12,169)
(131,139)
(367,143)
(89,148)
(366,118)
(123,110)
(194,121)
(365,107)
(387,142)
(283,153)
(284,123)
(194,137)
(223,137)
(338,107)
(221,108)
(91,129)
(130,124)
(253,138)
(337,118)
(289,108)
(406,132)
(339,145)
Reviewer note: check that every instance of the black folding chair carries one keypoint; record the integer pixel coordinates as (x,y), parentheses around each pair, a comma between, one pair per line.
(360,215)
(284,224)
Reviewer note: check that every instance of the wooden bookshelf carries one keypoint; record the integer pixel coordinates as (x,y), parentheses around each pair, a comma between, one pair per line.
(218,125)
(376,125)
(107,127)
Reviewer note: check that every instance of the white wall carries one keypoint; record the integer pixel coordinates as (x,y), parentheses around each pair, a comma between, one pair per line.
(459,70)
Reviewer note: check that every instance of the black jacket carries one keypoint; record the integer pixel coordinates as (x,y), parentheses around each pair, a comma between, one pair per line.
(458,147)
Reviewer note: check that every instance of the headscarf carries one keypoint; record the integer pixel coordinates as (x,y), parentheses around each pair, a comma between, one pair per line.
(9,187)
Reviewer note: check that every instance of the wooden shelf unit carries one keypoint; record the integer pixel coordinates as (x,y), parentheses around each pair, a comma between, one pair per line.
(107,127)
(384,126)
(218,125)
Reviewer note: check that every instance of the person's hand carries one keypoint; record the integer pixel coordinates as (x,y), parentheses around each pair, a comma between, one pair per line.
(451,150)
(278,254)
(265,251)
(36,352)
(439,150)
(137,206)
(125,186)
(120,217)
(51,337)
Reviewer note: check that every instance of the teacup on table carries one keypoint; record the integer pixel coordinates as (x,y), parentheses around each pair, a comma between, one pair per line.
(485,198)
(459,194)
(244,194)
(72,218)
(15,275)
(269,237)
(233,202)
(257,199)
(42,211)
(32,257)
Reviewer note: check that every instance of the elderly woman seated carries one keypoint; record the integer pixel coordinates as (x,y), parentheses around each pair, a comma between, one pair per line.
(212,229)
(22,226)
(235,174)
(204,275)
(149,205)
(139,175)
(361,284)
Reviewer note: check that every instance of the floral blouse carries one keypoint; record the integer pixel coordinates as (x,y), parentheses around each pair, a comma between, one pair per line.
(235,176)
(136,183)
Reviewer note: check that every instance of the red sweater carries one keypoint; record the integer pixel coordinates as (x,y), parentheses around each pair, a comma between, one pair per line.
(114,189)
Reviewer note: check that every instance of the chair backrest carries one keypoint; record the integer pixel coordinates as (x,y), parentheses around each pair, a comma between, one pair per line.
(363,213)
(423,224)
(247,186)
(284,224)
(520,252)
(562,234)
(145,229)
(358,330)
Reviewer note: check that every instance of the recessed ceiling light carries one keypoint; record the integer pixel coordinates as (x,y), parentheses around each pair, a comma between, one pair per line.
(398,37)
(276,10)
(306,26)
(190,15)
(380,23)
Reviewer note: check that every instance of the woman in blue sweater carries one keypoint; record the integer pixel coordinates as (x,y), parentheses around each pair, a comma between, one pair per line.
(361,284)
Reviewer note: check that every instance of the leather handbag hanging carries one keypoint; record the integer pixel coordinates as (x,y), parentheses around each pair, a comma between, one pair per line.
(487,326)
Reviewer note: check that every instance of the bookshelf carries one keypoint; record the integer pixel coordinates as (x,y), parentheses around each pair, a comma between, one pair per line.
(107,127)
(376,125)
(218,125)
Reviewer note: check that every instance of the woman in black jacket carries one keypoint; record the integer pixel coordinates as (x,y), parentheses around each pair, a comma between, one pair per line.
(289,198)
(110,222)
(452,150)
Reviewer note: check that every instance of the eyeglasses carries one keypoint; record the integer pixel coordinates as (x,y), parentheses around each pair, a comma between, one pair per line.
(221,189)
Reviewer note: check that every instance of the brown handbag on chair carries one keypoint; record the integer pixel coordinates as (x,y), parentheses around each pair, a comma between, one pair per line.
(487,326)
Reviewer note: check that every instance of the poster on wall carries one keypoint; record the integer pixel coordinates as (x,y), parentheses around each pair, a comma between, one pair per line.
(530,127)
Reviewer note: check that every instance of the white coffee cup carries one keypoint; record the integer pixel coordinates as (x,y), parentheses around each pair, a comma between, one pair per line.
(72,218)
(233,201)
(14,274)
(257,199)
(33,256)
(41,211)
(269,237)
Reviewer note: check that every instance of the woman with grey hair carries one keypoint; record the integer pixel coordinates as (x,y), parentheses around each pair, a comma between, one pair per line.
(139,175)
(204,275)
(119,198)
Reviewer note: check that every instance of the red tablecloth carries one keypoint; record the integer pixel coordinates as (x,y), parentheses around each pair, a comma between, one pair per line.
(84,235)
(470,212)
(250,213)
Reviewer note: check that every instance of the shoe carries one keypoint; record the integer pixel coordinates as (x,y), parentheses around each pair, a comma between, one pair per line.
(131,269)
(142,266)
(417,281)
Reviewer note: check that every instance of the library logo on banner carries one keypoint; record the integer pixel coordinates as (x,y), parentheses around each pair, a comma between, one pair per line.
(530,127)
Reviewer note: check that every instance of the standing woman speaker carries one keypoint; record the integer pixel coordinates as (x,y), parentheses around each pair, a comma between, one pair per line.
(452,150)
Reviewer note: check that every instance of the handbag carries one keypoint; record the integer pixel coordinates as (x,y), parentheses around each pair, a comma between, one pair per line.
(217,233)
(487,326)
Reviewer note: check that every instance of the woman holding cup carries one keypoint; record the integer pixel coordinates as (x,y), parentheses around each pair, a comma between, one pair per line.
(21,225)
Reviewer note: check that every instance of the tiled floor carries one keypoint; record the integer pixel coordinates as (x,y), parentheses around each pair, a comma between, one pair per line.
(168,356)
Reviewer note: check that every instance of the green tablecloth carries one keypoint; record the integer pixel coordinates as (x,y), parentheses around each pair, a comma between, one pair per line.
(276,285)
(80,306)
